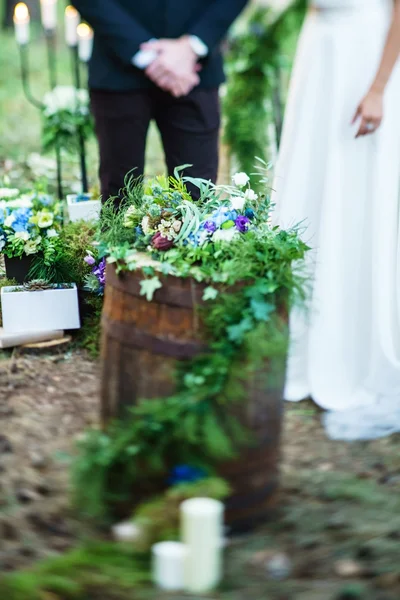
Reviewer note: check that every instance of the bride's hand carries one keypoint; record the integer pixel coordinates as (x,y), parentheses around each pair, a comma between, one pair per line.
(370,111)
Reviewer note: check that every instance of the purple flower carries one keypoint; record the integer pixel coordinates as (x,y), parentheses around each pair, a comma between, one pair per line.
(242,223)
(100,272)
(89,260)
(209,226)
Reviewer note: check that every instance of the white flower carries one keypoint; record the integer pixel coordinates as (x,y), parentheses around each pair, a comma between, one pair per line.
(22,235)
(8,221)
(176,226)
(45,219)
(31,246)
(8,193)
(241,179)
(131,212)
(65,97)
(250,195)
(52,233)
(225,235)
(24,201)
(238,202)
(146,225)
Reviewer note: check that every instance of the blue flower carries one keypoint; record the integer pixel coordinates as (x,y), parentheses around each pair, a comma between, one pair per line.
(222,214)
(249,213)
(83,197)
(139,231)
(21,219)
(45,199)
(186,474)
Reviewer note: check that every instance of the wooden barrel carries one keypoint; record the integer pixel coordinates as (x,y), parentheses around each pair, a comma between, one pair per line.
(141,344)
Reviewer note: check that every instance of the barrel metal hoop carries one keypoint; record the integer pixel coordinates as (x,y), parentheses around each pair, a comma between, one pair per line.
(129,335)
(171,295)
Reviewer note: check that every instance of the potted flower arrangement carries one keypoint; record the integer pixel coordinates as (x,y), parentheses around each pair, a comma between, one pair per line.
(194,342)
(29,225)
(39,306)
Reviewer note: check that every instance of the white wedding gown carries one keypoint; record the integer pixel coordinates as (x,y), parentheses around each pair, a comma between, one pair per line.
(345,350)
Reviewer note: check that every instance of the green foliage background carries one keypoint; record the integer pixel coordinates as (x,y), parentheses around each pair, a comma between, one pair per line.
(258,62)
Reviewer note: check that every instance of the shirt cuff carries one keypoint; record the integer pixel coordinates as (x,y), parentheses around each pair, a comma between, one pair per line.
(144,58)
(198,46)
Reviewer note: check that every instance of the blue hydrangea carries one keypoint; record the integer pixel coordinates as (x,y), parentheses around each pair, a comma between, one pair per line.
(21,219)
(2,239)
(223,214)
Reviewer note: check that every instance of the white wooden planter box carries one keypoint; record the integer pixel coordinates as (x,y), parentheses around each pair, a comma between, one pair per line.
(44,310)
(87,210)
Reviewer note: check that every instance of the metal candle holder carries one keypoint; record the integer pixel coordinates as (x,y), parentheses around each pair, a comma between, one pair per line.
(51,43)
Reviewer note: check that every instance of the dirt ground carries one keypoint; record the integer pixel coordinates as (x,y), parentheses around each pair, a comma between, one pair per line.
(336,536)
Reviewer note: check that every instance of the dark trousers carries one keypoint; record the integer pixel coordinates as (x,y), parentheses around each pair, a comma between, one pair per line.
(189,129)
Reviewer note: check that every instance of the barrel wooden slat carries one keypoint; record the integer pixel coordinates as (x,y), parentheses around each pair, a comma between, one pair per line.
(142,343)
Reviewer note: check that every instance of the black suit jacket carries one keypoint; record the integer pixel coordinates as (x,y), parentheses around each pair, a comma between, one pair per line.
(120,27)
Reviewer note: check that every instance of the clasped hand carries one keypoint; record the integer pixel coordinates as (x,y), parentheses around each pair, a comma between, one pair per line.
(175,70)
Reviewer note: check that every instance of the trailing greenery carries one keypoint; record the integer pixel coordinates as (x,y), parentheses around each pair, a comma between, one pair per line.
(245,265)
(254,64)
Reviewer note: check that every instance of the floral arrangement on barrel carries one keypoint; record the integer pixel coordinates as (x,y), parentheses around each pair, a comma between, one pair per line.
(225,240)
(29,222)
(65,111)
(168,216)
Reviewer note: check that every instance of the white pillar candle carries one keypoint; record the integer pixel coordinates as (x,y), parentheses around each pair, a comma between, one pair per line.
(21,23)
(48,10)
(169,565)
(72,20)
(85,42)
(202,528)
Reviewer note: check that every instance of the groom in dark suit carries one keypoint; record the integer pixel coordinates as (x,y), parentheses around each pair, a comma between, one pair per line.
(161,60)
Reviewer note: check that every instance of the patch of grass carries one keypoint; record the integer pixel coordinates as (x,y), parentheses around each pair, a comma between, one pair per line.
(114,569)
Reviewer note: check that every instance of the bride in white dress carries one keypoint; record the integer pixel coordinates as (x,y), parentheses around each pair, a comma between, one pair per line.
(342,182)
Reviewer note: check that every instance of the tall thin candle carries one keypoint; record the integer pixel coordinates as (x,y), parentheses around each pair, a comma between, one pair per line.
(85,42)
(21,23)
(49,14)
(72,20)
